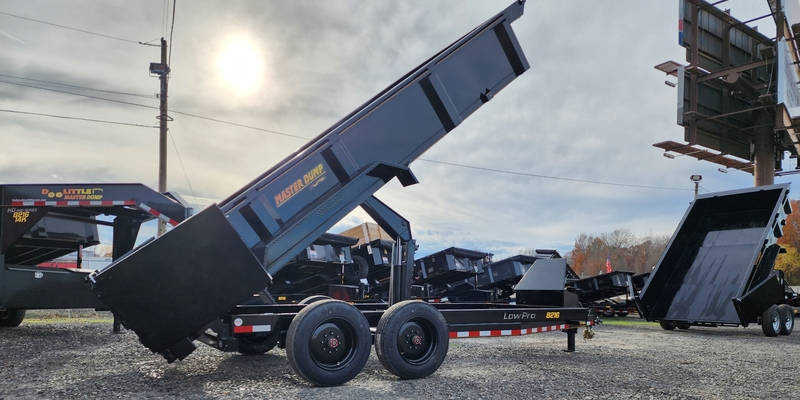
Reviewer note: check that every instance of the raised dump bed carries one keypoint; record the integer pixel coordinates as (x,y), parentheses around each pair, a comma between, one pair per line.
(718,267)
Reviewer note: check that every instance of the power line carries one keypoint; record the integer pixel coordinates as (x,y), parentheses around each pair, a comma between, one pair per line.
(180,159)
(275,132)
(171,29)
(76,118)
(79,87)
(72,28)
(561,178)
(271,131)
(78,94)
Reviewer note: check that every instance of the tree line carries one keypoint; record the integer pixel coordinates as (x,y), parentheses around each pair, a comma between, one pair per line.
(621,249)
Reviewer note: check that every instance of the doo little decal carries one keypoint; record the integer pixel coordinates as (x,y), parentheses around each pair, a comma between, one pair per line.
(74,194)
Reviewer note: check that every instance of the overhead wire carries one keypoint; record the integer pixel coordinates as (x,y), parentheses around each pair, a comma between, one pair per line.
(130,103)
(180,160)
(76,118)
(276,132)
(78,86)
(171,29)
(187,114)
(88,32)
(561,178)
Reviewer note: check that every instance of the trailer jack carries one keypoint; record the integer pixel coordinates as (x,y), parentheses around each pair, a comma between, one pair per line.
(588,333)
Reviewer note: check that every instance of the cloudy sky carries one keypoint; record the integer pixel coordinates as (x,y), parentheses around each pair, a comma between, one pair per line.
(590,107)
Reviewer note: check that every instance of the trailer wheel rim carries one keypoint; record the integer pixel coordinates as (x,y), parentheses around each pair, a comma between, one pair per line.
(416,341)
(332,345)
(776,321)
(788,323)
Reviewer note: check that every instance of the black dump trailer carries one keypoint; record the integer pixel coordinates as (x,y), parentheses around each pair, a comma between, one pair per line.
(612,293)
(373,260)
(717,269)
(452,275)
(326,267)
(42,222)
(189,283)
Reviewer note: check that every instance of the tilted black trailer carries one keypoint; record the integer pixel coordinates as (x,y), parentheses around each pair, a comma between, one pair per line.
(186,284)
(324,267)
(610,294)
(452,275)
(41,222)
(717,269)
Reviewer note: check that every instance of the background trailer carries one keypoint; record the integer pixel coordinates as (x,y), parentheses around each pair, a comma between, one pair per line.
(40,223)
(717,269)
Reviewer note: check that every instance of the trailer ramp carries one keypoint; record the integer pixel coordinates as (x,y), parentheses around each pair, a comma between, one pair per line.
(228,251)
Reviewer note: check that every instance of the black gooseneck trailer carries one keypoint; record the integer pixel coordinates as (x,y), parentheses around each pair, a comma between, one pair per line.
(41,222)
(717,269)
(189,283)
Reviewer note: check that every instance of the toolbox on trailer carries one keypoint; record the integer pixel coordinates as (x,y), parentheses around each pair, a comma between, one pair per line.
(545,284)
(183,285)
(718,266)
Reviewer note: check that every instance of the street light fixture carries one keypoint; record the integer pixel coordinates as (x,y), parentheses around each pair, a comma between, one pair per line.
(696,179)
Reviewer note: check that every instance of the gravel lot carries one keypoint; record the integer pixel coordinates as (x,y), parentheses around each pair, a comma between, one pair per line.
(44,359)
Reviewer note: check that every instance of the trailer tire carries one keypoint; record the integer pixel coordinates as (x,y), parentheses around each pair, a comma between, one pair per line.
(256,344)
(328,342)
(771,321)
(313,299)
(683,325)
(787,319)
(11,318)
(622,313)
(412,339)
(667,325)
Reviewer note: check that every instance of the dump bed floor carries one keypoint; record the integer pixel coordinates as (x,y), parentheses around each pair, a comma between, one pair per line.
(715,277)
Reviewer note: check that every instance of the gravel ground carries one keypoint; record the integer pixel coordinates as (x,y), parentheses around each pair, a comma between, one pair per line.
(43,359)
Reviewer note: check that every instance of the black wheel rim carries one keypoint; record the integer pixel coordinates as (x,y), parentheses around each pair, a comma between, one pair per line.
(332,345)
(416,341)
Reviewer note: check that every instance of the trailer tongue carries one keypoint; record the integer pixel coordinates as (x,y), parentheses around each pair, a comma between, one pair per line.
(170,289)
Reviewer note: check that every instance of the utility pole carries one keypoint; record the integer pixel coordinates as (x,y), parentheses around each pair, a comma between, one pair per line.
(162,70)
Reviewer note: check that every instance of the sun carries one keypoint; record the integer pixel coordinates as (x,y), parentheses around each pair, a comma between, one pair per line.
(241,65)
